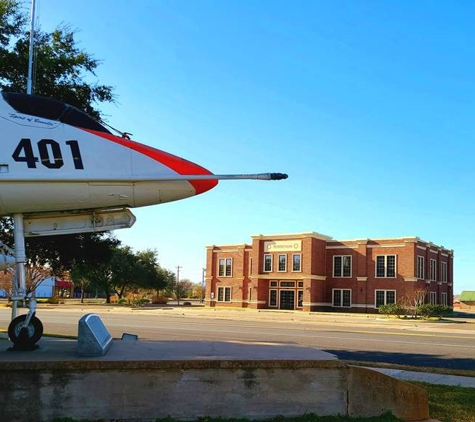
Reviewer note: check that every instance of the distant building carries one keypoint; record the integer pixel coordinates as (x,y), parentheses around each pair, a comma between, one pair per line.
(467,300)
(314,272)
(45,288)
(54,287)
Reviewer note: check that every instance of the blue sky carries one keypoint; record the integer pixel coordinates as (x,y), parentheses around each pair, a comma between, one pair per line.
(367,105)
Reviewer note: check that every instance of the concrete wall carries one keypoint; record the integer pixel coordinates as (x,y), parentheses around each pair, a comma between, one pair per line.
(135,390)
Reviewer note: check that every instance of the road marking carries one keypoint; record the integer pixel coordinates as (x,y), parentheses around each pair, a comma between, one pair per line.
(317,329)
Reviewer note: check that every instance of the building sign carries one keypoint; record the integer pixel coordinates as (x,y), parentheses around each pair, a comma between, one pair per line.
(283,246)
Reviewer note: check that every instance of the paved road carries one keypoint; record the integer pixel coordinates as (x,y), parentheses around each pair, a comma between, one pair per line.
(362,338)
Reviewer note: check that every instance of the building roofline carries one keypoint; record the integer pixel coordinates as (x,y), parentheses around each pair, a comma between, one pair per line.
(235,245)
(320,236)
(407,239)
(292,236)
(366,239)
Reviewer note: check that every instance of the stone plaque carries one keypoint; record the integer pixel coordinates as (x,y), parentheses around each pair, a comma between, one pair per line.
(93,337)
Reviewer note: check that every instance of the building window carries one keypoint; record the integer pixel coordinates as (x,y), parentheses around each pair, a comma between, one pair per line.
(342,266)
(433,298)
(225,268)
(250,266)
(224,294)
(433,269)
(287,284)
(221,267)
(443,299)
(342,298)
(420,267)
(282,263)
(386,266)
(300,283)
(296,262)
(299,298)
(229,267)
(385,297)
(443,272)
(273,283)
(267,263)
(273,298)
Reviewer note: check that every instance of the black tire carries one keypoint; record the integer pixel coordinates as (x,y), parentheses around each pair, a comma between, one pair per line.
(22,335)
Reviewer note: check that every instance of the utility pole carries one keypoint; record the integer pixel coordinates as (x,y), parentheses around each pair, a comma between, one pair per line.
(177,293)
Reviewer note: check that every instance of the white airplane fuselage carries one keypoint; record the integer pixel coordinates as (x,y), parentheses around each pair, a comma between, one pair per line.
(49,164)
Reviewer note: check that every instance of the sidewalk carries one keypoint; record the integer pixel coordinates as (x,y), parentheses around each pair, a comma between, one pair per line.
(430,378)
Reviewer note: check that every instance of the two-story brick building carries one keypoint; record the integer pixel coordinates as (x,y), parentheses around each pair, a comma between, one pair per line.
(314,272)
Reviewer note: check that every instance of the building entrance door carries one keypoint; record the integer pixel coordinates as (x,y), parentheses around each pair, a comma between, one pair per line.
(287,299)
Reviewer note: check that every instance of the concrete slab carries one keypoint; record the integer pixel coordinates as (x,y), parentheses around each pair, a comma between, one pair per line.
(55,349)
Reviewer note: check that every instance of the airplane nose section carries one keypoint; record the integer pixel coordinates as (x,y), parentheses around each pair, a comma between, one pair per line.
(180,165)
(200,186)
(173,162)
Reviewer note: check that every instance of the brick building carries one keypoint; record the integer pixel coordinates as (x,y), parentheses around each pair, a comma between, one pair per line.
(314,272)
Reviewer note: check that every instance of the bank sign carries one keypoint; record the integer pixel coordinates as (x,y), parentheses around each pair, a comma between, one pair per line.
(283,246)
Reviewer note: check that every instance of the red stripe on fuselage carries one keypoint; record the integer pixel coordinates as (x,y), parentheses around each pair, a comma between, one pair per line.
(178,164)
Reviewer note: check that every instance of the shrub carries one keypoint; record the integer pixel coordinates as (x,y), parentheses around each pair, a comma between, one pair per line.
(392,309)
(50,301)
(139,302)
(431,310)
(186,303)
(159,300)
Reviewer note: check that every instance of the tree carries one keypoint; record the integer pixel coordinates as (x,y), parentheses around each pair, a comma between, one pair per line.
(79,279)
(198,291)
(181,288)
(136,271)
(61,73)
(100,275)
(12,22)
(95,265)
(123,267)
(34,275)
(61,67)
(413,300)
(151,274)
(63,252)
(121,271)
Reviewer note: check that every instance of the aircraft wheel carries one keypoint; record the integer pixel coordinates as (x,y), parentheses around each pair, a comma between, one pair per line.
(25,336)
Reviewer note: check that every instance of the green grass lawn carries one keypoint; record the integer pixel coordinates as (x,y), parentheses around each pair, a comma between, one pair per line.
(449,403)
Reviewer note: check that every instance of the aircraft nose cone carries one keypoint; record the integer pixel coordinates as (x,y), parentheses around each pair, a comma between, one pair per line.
(200,186)
(173,162)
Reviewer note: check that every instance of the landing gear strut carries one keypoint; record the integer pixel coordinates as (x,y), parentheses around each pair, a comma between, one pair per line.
(24,330)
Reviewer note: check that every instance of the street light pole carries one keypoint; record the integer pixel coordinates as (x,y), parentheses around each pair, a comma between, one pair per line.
(203,286)
(177,284)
